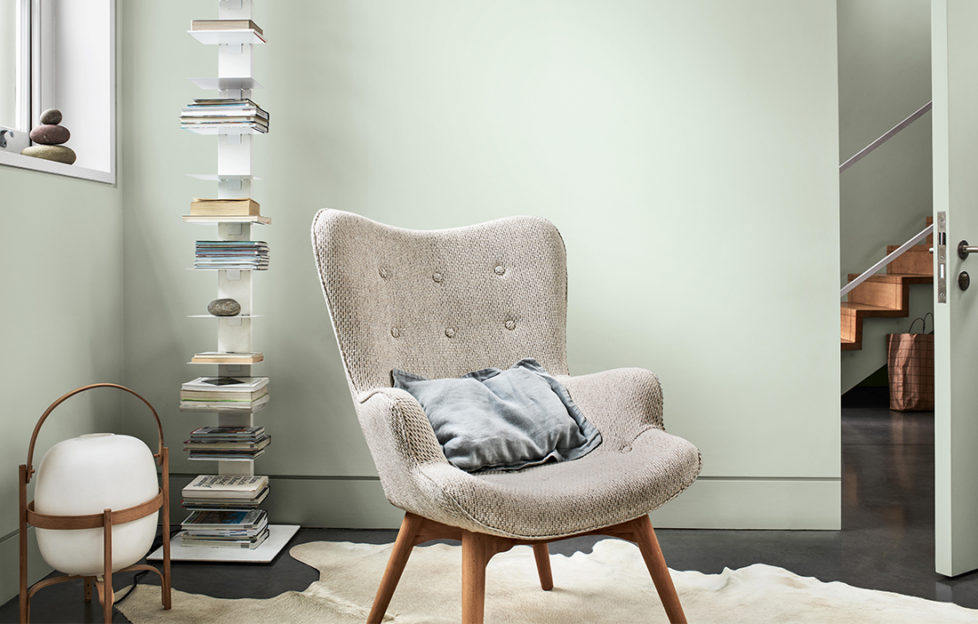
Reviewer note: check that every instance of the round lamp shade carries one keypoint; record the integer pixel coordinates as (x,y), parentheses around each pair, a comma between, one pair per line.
(87,475)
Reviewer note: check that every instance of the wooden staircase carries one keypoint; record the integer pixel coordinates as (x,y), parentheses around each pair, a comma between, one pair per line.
(885,294)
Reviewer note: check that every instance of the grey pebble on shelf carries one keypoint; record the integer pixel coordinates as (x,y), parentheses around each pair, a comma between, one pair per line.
(51,116)
(224,307)
(58,153)
(50,134)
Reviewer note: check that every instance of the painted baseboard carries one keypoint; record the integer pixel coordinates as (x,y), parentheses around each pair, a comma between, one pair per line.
(755,503)
(344,502)
(334,502)
(10,565)
(711,503)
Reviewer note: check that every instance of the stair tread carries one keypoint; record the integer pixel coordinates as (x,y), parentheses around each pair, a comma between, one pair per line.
(845,305)
(867,310)
(896,277)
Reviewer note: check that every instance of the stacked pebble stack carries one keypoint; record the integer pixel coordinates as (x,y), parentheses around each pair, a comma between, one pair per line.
(48,138)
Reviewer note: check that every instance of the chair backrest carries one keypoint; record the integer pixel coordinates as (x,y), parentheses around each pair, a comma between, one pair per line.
(441,303)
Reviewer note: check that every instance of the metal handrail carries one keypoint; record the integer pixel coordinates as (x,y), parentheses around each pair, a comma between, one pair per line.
(890,257)
(886,136)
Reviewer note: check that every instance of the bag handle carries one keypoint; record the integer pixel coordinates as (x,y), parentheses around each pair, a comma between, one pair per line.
(62,399)
(923,320)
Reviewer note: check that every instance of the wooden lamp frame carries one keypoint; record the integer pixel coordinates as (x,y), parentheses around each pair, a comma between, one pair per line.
(106,520)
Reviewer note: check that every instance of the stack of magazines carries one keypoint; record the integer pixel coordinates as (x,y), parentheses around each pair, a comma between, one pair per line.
(242,529)
(241,492)
(227,443)
(243,255)
(224,393)
(217,114)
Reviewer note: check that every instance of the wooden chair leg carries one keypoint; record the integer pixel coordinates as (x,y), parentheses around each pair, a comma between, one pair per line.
(477,550)
(656,563)
(395,565)
(542,554)
(88,589)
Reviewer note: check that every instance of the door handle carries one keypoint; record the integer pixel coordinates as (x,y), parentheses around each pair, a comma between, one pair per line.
(964,249)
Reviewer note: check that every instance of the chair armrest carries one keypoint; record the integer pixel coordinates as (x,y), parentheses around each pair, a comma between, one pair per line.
(622,402)
(394,421)
(403,444)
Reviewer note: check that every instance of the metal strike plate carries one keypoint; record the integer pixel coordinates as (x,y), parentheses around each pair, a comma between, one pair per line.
(940,243)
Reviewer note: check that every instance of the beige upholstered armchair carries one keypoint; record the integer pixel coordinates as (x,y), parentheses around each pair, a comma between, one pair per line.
(443,303)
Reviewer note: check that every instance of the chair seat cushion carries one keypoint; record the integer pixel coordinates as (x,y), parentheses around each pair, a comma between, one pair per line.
(608,486)
(495,419)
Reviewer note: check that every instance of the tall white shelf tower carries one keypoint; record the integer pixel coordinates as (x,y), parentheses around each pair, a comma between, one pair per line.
(234,179)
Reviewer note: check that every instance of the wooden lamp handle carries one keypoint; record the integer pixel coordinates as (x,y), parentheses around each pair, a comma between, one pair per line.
(62,399)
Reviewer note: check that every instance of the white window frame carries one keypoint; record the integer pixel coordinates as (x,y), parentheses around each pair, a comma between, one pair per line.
(15,137)
(37,74)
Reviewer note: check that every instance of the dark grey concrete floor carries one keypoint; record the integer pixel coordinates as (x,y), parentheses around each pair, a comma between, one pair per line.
(886,542)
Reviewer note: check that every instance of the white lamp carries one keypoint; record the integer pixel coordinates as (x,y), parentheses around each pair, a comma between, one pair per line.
(97,503)
(84,476)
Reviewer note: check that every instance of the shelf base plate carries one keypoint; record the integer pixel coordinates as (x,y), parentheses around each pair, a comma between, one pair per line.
(279,536)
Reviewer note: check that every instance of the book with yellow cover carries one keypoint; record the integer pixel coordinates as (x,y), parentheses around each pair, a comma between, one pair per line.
(220,357)
(244,207)
(225,24)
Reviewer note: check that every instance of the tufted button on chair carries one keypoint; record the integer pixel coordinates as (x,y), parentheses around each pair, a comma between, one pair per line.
(375,278)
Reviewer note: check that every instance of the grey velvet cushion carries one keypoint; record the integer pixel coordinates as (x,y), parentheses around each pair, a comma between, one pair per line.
(494,419)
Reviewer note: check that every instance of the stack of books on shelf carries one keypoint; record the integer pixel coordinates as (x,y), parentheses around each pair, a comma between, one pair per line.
(225,24)
(244,255)
(224,114)
(226,357)
(243,207)
(231,528)
(225,492)
(227,443)
(224,393)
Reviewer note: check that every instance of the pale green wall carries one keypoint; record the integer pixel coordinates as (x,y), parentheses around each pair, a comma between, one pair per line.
(61,262)
(686,151)
(884,75)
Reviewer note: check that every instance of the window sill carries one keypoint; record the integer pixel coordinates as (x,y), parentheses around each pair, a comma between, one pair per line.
(50,166)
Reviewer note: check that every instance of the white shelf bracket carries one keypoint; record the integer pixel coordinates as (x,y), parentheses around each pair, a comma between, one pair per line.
(230,183)
(233,48)
(234,275)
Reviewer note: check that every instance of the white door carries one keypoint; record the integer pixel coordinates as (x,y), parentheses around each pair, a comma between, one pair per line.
(954,59)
